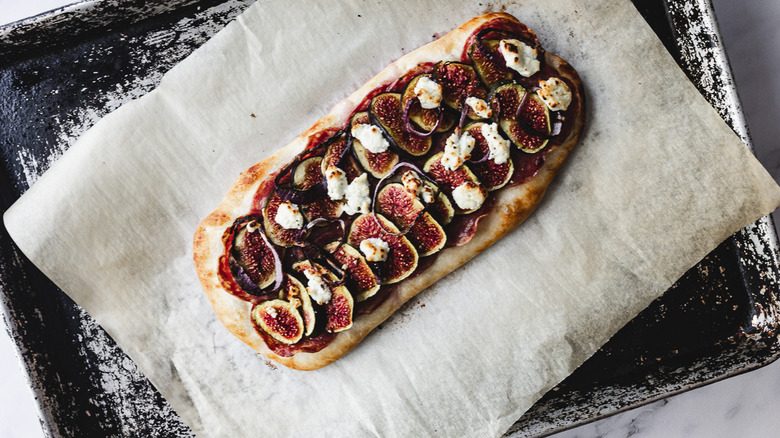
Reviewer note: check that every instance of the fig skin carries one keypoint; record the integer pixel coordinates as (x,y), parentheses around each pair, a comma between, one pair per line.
(402,259)
(253,255)
(386,110)
(442,209)
(448,180)
(283,322)
(378,165)
(277,234)
(295,293)
(339,309)
(486,58)
(406,211)
(427,235)
(493,176)
(426,119)
(459,81)
(507,98)
(398,205)
(361,280)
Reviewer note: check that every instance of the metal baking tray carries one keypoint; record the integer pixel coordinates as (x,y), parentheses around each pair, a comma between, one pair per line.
(61,71)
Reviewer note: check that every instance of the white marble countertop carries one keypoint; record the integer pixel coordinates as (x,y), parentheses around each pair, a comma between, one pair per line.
(744,405)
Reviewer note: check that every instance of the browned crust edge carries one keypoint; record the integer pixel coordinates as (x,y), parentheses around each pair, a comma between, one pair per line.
(512,206)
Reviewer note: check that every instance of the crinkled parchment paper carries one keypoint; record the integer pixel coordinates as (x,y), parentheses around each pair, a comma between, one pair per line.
(657,182)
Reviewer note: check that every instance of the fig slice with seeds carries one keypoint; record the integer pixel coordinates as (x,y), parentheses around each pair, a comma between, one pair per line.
(387,111)
(427,235)
(295,293)
(406,212)
(275,232)
(395,203)
(308,173)
(448,180)
(254,256)
(379,164)
(339,310)
(360,280)
(524,119)
(402,258)
(279,319)
(335,153)
(425,118)
(321,208)
(492,175)
(489,63)
(459,81)
(442,209)
(336,149)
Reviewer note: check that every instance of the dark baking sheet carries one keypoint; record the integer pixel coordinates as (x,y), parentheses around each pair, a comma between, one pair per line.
(60,72)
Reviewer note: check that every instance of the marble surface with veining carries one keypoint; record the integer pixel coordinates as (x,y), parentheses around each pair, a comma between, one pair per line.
(745,405)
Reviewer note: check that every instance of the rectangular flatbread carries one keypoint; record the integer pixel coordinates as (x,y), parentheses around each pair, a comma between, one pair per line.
(436,157)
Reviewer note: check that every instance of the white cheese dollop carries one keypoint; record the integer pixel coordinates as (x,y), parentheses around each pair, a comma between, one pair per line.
(271,312)
(374,249)
(499,146)
(519,56)
(426,193)
(469,195)
(411,183)
(479,106)
(289,216)
(457,150)
(428,92)
(337,182)
(370,136)
(555,94)
(316,286)
(357,197)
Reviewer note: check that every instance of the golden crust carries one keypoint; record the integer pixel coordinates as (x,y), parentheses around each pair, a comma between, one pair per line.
(512,206)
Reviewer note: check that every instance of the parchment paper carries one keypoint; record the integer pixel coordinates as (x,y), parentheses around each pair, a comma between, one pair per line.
(657,182)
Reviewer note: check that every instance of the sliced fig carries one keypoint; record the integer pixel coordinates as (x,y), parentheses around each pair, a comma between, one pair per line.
(377,165)
(529,129)
(493,176)
(360,281)
(402,258)
(275,232)
(427,235)
(395,203)
(448,179)
(254,256)
(279,319)
(459,81)
(295,293)
(442,209)
(334,153)
(322,207)
(406,211)
(426,119)
(339,310)
(308,173)
(489,63)
(386,109)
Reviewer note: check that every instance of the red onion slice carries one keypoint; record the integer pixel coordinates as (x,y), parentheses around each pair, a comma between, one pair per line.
(277,260)
(557,124)
(408,124)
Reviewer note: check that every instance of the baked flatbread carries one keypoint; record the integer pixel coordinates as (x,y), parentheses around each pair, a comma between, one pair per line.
(301,265)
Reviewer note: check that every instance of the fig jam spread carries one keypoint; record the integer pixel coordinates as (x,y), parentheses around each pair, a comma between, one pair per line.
(321,276)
